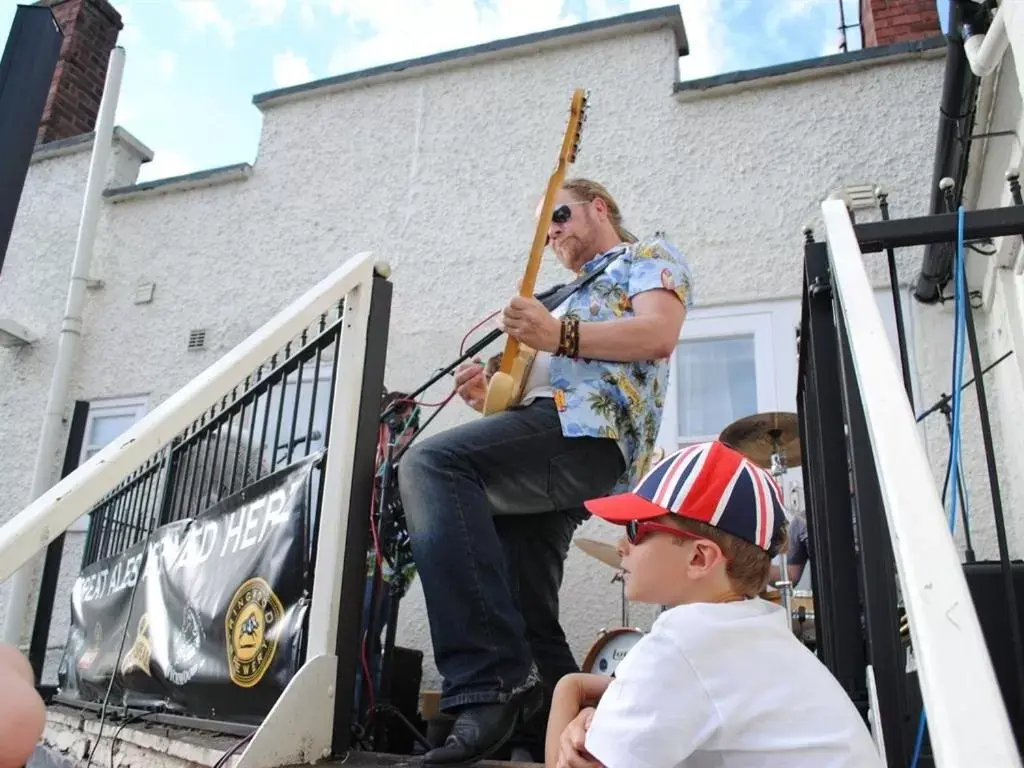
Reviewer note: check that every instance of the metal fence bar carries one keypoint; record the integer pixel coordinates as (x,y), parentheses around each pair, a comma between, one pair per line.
(52,512)
(827,485)
(311,720)
(967,717)
(877,572)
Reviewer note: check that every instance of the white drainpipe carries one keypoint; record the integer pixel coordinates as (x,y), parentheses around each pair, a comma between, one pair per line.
(70,332)
(984,52)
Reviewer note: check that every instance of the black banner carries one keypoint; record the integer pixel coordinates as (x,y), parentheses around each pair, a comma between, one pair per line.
(217,622)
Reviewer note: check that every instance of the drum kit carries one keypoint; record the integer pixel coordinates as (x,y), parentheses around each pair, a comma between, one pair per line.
(770,440)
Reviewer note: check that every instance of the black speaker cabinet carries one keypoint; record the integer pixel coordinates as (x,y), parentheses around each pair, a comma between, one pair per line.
(26,71)
(988,591)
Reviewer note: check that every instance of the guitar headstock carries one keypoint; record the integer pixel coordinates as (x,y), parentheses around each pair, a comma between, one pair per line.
(574,129)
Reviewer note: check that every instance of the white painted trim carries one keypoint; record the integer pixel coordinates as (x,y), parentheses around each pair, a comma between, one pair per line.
(715,323)
(55,510)
(967,719)
(334,507)
(298,728)
(704,322)
(105,407)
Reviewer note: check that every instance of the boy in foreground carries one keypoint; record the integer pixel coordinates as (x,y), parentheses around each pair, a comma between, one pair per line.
(720,680)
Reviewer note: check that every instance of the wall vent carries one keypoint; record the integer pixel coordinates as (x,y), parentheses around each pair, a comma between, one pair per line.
(197,338)
(860,197)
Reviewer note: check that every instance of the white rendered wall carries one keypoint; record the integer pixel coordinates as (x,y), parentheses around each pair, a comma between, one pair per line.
(440,174)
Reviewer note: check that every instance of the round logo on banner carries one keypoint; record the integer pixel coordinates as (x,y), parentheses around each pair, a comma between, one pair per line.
(250,631)
(188,639)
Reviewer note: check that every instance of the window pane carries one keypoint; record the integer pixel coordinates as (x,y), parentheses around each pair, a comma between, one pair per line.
(106,428)
(717,384)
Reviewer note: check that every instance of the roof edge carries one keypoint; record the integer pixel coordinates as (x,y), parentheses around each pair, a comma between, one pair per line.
(665,16)
(809,68)
(211,177)
(84,141)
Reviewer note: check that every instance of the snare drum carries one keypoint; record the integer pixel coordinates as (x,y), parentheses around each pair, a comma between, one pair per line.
(611,648)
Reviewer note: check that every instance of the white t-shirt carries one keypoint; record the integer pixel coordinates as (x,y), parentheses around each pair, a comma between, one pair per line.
(727,685)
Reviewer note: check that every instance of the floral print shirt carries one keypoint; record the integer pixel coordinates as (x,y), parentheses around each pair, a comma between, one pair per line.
(623,401)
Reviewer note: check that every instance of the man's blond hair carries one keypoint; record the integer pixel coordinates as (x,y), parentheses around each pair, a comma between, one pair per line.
(586,190)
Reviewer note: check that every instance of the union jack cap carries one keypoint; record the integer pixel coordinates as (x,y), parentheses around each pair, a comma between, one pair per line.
(708,482)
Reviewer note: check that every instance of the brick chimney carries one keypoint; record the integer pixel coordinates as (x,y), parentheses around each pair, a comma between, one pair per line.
(898,21)
(90,30)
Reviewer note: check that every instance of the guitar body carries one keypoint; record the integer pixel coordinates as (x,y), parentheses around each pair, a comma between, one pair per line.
(505,388)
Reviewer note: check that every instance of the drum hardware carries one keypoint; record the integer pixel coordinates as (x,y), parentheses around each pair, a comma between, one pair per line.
(599,550)
(620,577)
(764,437)
(609,555)
(610,649)
(772,441)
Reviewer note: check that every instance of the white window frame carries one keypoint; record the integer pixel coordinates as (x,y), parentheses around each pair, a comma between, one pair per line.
(135,407)
(774,324)
(761,320)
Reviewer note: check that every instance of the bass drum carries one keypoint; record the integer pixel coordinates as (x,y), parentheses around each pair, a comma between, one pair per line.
(610,649)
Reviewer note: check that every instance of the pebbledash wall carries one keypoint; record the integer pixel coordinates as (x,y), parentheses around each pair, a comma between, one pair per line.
(436,166)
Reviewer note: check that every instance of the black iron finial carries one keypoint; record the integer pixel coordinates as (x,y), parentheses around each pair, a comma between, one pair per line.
(808,234)
(1013,178)
(882,196)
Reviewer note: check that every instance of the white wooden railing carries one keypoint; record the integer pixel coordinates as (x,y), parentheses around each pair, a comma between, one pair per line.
(967,721)
(299,726)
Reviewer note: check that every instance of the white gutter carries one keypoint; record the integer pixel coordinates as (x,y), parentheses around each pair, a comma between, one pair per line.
(70,332)
(984,52)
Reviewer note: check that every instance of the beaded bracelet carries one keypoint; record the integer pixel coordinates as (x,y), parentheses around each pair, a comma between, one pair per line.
(569,341)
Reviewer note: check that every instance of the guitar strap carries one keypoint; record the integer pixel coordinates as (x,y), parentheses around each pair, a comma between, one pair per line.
(554,296)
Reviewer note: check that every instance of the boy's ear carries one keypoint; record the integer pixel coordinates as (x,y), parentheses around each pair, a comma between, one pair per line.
(705,556)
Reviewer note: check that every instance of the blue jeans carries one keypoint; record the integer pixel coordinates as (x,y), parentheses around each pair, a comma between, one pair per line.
(456,487)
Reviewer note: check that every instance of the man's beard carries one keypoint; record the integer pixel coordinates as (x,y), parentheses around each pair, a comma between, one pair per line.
(572,252)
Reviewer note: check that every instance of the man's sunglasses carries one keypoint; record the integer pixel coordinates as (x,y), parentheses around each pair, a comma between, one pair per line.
(562,214)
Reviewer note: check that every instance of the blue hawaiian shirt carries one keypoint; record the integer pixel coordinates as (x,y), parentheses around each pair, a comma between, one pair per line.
(623,401)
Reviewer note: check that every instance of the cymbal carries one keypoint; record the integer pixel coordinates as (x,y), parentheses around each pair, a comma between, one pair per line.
(759,435)
(606,553)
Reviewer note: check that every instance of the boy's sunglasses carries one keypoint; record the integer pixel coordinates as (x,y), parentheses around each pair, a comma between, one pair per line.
(636,530)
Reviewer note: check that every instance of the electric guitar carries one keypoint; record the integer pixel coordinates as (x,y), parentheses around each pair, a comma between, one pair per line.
(506,385)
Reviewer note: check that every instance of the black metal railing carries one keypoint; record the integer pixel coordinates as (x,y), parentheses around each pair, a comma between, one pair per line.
(277,415)
(859,619)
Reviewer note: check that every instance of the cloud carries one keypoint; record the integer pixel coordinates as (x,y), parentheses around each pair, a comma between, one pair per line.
(306,15)
(166,61)
(707,34)
(290,69)
(404,29)
(206,13)
(268,12)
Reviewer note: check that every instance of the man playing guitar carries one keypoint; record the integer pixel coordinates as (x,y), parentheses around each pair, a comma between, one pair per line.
(585,427)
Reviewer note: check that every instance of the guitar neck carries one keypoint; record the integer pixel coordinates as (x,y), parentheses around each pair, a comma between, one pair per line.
(566,156)
(526,288)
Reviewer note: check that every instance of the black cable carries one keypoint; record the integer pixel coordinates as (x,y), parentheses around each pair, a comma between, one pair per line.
(120,650)
(223,760)
(113,742)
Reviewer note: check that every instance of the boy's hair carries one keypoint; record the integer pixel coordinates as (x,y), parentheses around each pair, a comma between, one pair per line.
(747,566)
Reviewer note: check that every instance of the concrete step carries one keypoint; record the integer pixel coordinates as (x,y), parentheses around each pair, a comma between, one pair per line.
(72,735)
(372,760)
